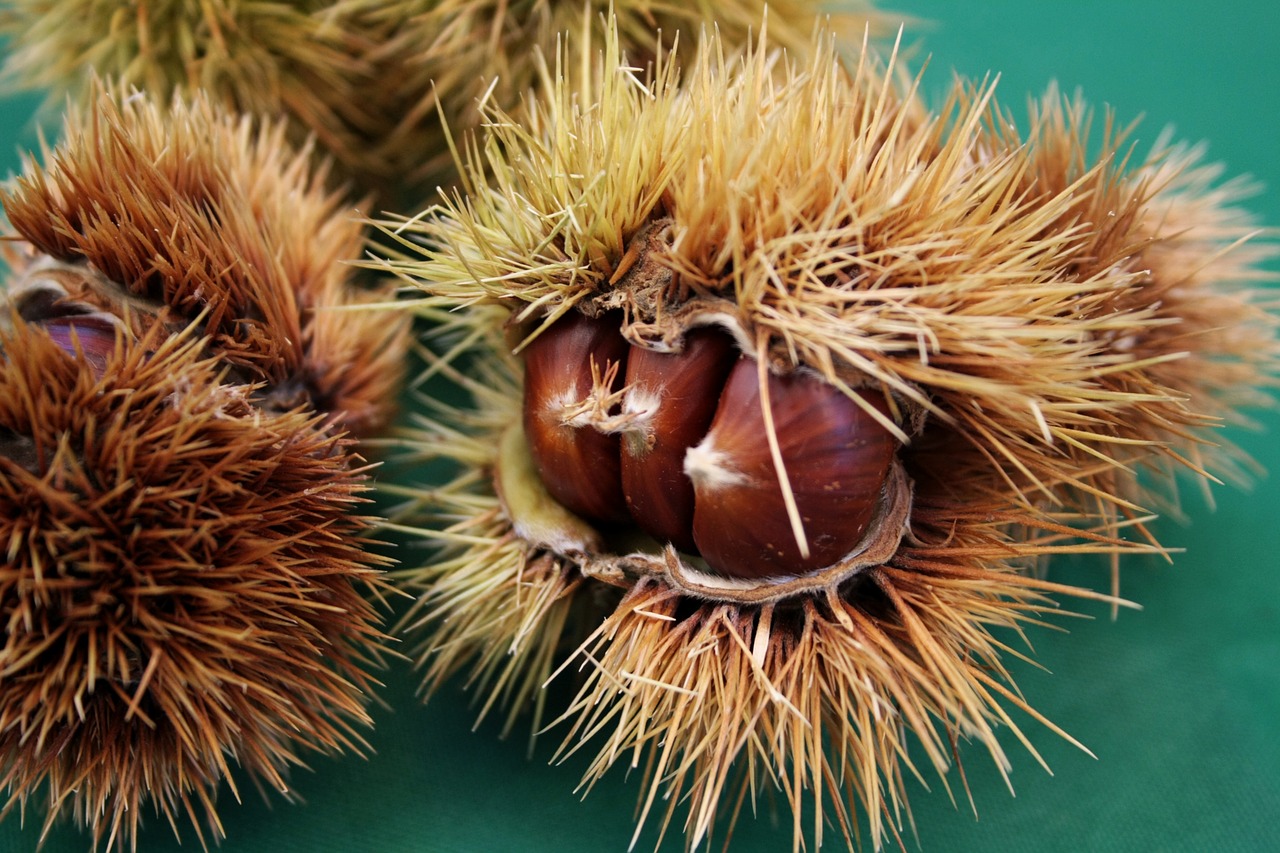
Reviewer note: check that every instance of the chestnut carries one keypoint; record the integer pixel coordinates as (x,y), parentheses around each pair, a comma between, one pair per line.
(92,337)
(580,466)
(673,396)
(683,449)
(836,457)
(78,326)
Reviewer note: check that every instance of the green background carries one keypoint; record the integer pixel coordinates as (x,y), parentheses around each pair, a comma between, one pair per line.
(1180,701)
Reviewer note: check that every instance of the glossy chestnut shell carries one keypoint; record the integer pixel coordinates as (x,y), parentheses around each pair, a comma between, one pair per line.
(581,466)
(678,444)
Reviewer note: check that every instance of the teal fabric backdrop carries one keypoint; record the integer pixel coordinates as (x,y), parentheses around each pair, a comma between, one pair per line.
(1180,701)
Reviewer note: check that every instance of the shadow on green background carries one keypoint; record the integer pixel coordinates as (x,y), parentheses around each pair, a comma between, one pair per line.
(1180,701)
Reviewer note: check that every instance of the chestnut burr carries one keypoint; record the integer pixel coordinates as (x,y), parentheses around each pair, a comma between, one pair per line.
(979,342)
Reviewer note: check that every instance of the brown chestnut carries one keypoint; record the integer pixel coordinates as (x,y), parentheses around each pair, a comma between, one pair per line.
(579,465)
(92,336)
(673,397)
(682,448)
(836,457)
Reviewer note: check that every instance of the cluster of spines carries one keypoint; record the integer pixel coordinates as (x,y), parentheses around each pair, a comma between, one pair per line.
(1020,293)
(190,591)
(1109,355)
(378,85)
(186,588)
(219,220)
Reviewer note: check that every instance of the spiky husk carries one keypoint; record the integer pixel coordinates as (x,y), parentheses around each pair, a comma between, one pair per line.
(717,701)
(183,586)
(188,580)
(1064,323)
(449,56)
(262,58)
(941,255)
(365,77)
(206,215)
